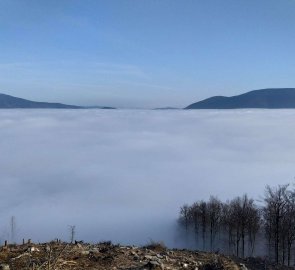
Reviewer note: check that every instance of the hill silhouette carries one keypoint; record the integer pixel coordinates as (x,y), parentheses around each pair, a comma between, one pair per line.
(272,98)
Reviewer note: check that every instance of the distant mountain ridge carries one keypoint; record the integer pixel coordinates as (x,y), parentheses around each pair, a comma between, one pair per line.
(167,108)
(270,98)
(11,102)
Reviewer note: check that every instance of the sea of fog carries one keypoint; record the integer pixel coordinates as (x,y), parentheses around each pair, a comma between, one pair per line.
(122,175)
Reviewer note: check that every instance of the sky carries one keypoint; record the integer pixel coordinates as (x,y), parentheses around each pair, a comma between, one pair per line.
(144,53)
(123,176)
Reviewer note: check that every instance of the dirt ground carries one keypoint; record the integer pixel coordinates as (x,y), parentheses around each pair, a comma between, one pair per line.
(56,255)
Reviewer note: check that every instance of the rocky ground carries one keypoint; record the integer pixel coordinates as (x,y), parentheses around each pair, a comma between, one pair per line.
(56,255)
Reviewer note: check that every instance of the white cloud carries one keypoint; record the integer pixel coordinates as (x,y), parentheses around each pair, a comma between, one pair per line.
(122,175)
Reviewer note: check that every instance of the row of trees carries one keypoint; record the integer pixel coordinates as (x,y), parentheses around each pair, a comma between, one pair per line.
(243,228)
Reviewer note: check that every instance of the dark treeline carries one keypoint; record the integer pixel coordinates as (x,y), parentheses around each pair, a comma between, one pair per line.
(242,228)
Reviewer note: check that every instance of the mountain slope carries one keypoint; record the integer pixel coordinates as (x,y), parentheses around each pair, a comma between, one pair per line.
(272,98)
(10,102)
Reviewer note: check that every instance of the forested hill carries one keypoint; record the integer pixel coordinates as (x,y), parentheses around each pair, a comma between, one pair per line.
(272,98)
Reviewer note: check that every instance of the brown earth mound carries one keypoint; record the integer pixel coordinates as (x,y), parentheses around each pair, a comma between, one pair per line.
(64,256)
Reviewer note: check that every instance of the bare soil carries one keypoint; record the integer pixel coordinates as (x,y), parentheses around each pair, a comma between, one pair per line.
(64,256)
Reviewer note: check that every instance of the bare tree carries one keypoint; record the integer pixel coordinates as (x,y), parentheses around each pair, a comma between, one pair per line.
(227,225)
(203,220)
(214,214)
(274,211)
(247,209)
(253,226)
(195,219)
(239,221)
(289,224)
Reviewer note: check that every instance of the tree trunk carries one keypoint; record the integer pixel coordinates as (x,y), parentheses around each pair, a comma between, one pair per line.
(243,245)
(289,253)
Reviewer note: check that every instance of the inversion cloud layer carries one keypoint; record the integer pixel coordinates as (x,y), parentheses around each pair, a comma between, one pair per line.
(122,175)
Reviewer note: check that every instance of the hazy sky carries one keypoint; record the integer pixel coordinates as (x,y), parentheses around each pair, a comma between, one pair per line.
(144,53)
(122,176)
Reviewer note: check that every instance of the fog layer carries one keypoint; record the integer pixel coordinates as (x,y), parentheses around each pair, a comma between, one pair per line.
(122,175)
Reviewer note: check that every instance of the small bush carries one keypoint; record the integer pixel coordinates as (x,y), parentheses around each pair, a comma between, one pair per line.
(106,243)
(156,246)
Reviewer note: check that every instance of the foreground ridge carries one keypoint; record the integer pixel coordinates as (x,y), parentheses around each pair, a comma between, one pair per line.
(57,255)
(60,255)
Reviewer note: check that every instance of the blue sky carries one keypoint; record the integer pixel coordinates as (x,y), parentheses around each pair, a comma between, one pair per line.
(144,53)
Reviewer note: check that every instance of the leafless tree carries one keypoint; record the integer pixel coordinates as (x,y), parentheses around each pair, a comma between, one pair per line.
(214,215)
(288,225)
(195,219)
(227,225)
(253,226)
(239,221)
(274,211)
(203,221)
(184,219)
